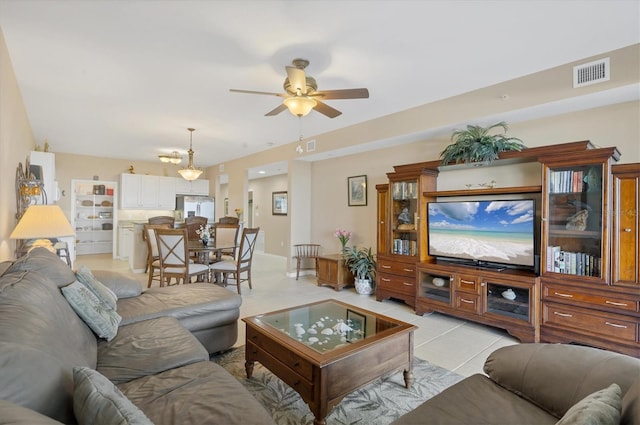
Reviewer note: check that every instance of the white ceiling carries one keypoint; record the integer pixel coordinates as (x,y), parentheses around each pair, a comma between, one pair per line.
(125,79)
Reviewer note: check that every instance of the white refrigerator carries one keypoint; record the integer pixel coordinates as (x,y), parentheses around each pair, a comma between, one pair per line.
(188,206)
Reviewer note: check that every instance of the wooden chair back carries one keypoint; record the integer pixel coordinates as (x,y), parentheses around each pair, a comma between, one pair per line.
(226,235)
(303,253)
(192,224)
(173,254)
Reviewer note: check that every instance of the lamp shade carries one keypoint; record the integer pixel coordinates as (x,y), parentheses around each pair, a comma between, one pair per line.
(300,105)
(42,221)
(190,173)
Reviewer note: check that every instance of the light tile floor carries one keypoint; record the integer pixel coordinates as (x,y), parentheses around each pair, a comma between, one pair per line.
(449,342)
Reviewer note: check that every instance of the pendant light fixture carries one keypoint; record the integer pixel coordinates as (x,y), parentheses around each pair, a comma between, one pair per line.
(191,172)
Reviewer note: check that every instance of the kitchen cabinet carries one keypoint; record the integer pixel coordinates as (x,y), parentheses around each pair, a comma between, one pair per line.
(147,192)
(125,242)
(195,187)
(93,212)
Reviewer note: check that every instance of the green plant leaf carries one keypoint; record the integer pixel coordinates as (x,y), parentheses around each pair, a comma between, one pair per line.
(475,144)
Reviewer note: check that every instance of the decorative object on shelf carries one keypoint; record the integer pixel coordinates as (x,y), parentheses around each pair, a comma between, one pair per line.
(489,185)
(131,170)
(190,172)
(279,203)
(509,294)
(357,191)
(404,216)
(205,233)
(174,157)
(578,221)
(343,236)
(593,180)
(438,281)
(476,145)
(362,265)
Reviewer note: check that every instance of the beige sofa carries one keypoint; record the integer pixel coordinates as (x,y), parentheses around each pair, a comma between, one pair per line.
(156,369)
(538,384)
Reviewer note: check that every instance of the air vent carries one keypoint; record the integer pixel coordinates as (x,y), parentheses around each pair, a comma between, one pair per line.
(311,145)
(591,73)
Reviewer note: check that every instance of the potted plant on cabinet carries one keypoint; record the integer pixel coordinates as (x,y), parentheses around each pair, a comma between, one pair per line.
(475,144)
(362,264)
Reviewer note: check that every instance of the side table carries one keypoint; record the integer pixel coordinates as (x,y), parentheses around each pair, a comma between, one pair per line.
(333,271)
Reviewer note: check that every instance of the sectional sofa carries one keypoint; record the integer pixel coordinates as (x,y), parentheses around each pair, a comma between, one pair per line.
(150,364)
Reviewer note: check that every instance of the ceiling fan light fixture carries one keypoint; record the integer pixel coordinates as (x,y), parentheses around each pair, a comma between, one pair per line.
(190,173)
(300,105)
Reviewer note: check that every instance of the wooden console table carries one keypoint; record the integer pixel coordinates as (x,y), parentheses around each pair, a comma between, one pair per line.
(333,271)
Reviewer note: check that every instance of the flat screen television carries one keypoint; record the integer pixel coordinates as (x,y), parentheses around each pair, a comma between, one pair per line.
(486,233)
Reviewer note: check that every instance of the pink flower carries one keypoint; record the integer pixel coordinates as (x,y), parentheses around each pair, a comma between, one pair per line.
(343,236)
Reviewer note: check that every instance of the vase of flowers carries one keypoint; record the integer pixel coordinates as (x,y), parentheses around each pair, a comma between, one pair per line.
(343,236)
(205,233)
(238,213)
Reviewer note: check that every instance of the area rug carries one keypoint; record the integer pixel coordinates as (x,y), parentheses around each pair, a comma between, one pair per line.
(379,403)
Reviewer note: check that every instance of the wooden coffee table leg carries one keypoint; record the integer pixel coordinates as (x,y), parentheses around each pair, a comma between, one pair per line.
(248,367)
(408,378)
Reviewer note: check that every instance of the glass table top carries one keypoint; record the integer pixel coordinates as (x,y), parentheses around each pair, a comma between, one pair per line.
(327,325)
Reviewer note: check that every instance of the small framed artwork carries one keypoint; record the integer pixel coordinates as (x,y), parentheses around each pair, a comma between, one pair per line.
(357,322)
(357,190)
(279,203)
(226,207)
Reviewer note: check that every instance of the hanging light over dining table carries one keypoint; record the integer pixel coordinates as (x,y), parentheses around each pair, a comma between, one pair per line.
(190,172)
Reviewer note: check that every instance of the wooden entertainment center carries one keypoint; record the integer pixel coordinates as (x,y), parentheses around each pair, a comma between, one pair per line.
(586,287)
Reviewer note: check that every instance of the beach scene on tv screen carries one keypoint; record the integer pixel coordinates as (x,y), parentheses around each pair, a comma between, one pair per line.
(491,231)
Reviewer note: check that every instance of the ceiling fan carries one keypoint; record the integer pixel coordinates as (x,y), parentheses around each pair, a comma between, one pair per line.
(301,95)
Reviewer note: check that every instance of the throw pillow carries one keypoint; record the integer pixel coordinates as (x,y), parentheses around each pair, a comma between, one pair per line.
(600,408)
(101,319)
(97,401)
(105,294)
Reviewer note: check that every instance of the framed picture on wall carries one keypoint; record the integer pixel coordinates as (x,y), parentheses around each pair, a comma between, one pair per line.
(357,190)
(226,206)
(279,203)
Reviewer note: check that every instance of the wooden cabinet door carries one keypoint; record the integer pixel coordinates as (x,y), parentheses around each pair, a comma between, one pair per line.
(626,225)
(383,208)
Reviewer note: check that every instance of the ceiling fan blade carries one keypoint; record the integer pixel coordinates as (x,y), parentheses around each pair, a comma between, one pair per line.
(327,110)
(276,111)
(258,92)
(297,79)
(342,94)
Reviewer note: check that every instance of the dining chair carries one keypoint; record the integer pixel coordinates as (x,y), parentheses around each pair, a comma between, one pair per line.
(304,253)
(226,235)
(173,257)
(229,220)
(243,262)
(162,219)
(192,224)
(149,236)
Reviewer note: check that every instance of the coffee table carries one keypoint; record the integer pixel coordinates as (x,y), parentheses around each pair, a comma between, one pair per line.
(324,366)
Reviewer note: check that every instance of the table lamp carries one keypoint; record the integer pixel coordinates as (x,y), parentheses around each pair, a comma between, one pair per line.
(42,222)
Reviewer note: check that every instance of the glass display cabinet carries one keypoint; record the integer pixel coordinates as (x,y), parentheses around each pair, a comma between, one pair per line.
(575,220)
(402,230)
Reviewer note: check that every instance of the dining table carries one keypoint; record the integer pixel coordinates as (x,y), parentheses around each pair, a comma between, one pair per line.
(203,253)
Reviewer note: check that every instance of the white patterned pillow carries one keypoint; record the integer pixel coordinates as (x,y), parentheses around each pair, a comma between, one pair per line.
(99,317)
(97,401)
(105,294)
